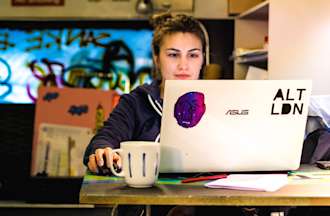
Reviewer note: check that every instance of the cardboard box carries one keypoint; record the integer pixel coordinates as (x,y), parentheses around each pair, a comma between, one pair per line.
(238,6)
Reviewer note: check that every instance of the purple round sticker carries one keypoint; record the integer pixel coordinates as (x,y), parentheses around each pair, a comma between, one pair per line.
(189,109)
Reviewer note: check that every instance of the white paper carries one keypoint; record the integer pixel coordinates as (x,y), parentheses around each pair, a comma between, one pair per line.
(255,73)
(255,182)
(60,149)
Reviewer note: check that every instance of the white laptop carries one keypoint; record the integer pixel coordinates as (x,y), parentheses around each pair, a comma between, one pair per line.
(233,125)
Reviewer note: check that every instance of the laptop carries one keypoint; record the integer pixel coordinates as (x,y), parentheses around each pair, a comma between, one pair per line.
(233,125)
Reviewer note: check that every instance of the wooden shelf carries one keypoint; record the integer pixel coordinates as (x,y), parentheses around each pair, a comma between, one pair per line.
(251,28)
(259,62)
(258,12)
(261,58)
(252,56)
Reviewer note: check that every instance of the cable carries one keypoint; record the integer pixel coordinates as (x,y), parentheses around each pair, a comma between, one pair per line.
(159,106)
(207,43)
(157,138)
(158,110)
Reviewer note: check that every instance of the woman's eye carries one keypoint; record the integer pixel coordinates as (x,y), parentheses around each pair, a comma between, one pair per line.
(193,55)
(172,54)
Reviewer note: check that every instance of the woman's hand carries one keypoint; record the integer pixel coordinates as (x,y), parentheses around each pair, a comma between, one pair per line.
(101,159)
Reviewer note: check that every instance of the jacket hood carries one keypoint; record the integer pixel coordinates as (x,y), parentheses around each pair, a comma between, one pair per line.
(152,89)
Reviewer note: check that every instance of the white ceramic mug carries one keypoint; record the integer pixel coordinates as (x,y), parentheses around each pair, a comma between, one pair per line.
(140,160)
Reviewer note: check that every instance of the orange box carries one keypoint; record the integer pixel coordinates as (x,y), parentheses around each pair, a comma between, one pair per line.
(71,116)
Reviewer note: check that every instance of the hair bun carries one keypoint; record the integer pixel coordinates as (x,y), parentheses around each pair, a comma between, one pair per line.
(159,19)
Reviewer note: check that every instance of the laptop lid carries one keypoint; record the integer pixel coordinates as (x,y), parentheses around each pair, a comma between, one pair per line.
(233,125)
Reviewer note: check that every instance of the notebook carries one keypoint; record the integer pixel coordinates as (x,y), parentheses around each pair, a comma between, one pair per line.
(233,125)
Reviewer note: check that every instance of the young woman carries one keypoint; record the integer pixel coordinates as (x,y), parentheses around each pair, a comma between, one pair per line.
(178,53)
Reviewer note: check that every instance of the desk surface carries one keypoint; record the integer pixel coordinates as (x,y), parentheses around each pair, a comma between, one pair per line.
(299,192)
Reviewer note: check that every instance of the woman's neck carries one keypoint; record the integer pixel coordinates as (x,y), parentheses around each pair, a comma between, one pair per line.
(161,87)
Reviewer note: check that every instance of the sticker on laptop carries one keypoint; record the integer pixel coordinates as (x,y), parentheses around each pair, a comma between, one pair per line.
(189,109)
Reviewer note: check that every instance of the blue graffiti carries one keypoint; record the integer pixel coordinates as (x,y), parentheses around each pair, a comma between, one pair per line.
(79,75)
(86,58)
(6,44)
(5,87)
(116,70)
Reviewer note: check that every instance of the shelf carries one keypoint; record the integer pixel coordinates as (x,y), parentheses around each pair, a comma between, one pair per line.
(250,55)
(260,63)
(258,12)
(258,58)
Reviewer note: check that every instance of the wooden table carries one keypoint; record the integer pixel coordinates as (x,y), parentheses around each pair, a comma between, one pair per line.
(299,192)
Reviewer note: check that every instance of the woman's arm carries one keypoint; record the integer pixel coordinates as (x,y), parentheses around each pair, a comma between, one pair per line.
(117,128)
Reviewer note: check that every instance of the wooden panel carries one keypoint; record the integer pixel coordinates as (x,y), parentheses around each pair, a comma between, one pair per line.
(259,12)
(103,9)
(176,5)
(239,6)
(214,9)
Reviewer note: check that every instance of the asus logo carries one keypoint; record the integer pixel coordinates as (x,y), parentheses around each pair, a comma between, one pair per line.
(237,112)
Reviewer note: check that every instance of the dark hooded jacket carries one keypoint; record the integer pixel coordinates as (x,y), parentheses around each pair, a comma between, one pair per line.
(134,118)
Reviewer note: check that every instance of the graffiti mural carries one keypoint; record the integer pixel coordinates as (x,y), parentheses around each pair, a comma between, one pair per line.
(87,58)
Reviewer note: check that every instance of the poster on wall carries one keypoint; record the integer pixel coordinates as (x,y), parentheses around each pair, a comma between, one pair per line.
(65,121)
(98,58)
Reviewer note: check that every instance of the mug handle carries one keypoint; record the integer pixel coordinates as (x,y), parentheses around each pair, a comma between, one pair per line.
(121,173)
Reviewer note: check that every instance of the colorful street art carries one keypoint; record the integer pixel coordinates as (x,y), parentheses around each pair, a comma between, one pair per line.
(87,58)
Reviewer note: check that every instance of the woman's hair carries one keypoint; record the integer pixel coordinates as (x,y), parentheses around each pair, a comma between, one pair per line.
(166,24)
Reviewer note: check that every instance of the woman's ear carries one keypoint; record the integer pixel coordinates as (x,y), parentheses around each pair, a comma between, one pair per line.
(203,67)
(156,61)
(156,71)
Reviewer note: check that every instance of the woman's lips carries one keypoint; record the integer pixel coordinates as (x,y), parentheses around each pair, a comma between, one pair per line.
(182,76)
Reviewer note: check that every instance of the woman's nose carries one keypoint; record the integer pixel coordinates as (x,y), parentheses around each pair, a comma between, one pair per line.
(183,64)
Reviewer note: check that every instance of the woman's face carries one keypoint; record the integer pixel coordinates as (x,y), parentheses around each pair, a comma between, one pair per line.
(180,57)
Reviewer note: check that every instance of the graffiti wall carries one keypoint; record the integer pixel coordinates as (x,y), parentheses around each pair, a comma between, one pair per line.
(118,59)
